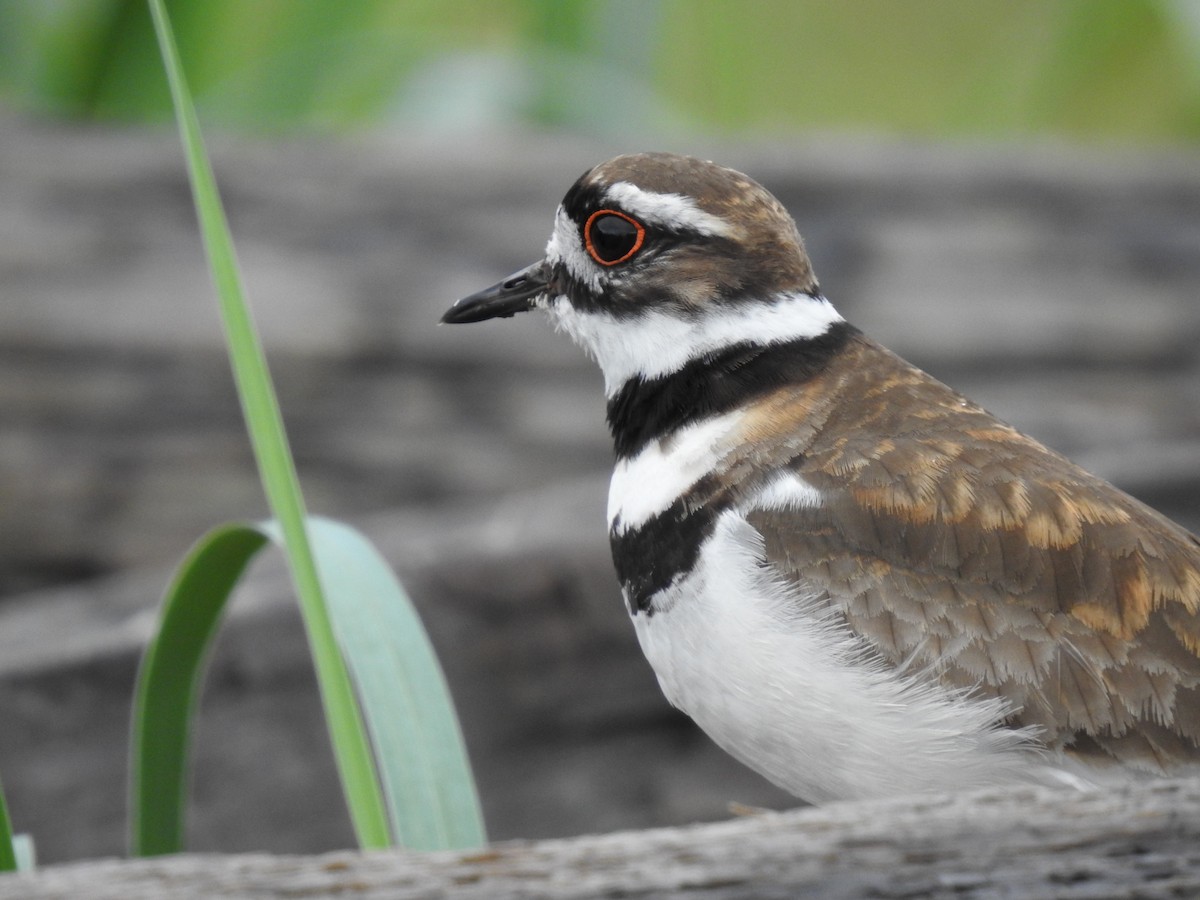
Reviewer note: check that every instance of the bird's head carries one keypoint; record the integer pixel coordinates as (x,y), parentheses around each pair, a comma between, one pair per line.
(657,259)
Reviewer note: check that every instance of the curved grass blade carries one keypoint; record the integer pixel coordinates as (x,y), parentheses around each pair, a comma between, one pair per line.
(276,468)
(169,681)
(402,695)
(418,743)
(169,684)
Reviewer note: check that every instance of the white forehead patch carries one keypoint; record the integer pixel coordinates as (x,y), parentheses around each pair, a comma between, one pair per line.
(564,247)
(674,212)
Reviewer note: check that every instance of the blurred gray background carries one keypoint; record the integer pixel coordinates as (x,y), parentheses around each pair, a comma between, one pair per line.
(1018,213)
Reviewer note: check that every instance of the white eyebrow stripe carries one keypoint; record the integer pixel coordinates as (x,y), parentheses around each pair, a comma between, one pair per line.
(674,212)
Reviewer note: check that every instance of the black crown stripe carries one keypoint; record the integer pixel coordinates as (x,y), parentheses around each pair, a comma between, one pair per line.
(715,383)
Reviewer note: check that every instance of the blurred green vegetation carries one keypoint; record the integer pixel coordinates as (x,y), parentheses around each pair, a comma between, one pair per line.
(1090,69)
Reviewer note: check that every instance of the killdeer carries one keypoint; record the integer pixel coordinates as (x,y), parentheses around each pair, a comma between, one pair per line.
(855,580)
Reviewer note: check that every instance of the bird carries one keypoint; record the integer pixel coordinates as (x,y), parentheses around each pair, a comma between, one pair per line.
(854,579)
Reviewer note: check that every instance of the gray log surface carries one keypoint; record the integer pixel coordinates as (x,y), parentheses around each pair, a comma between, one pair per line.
(1139,841)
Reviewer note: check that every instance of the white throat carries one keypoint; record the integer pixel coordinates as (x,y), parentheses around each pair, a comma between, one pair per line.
(656,343)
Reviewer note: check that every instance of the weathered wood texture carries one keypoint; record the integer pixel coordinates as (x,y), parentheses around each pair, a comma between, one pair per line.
(1142,842)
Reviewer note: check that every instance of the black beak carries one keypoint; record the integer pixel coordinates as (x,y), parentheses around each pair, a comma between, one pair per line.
(514,294)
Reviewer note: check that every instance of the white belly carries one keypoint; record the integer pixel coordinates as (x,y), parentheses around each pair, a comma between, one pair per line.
(786,689)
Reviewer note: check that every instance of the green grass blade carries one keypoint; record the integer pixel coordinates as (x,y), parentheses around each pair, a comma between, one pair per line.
(277,470)
(404,699)
(169,683)
(422,758)
(8,856)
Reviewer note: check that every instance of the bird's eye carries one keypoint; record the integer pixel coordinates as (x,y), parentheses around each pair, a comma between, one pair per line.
(612,237)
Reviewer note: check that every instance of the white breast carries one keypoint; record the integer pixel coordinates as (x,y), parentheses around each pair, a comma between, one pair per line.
(781,685)
(647,484)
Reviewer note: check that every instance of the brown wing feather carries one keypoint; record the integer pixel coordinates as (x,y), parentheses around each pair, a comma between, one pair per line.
(961,545)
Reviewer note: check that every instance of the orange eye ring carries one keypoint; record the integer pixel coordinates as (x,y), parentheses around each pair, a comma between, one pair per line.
(616,252)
